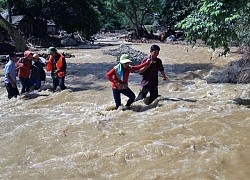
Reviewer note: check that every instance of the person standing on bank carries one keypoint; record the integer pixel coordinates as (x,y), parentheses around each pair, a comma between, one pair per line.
(149,74)
(119,75)
(10,76)
(57,65)
(23,66)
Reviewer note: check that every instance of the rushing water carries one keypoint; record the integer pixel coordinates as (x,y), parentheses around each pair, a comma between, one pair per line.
(193,131)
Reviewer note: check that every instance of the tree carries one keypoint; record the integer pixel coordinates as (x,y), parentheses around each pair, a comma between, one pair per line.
(19,41)
(175,11)
(135,11)
(110,19)
(17,38)
(215,22)
(72,16)
(242,28)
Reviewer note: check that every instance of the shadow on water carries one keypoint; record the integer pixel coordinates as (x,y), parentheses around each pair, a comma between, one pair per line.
(140,108)
(32,96)
(179,99)
(84,76)
(240,101)
(186,67)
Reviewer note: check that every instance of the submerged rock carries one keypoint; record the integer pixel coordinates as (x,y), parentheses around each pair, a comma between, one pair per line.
(136,56)
(234,72)
(67,41)
(239,71)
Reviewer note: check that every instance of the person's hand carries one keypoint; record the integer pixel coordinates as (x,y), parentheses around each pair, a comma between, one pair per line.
(56,71)
(149,61)
(121,86)
(165,78)
(118,85)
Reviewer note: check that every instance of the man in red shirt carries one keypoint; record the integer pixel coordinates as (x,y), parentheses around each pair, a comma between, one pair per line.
(119,75)
(23,66)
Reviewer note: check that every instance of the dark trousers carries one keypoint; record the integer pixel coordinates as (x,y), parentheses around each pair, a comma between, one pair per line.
(143,93)
(35,82)
(12,92)
(127,92)
(25,84)
(58,81)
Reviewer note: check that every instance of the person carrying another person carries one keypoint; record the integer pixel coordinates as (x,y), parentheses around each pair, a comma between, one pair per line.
(57,65)
(119,75)
(23,66)
(10,76)
(37,72)
(149,74)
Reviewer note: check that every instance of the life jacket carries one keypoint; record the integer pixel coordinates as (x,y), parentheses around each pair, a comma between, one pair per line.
(59,64)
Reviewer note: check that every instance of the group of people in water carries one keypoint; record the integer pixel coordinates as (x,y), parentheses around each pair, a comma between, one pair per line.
(149,68)
(30,71)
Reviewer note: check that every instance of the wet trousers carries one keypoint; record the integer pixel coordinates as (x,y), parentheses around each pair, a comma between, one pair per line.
(25,84)
(143,93)
(12,92)
(36,83)
(127,92)
(58,81)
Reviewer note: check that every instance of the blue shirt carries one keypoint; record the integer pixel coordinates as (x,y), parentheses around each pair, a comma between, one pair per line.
(10,68)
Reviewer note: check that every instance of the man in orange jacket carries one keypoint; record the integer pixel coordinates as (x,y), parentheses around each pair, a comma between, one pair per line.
(57,65)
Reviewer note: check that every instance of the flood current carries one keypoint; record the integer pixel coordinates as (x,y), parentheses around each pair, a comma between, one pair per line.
(194,130)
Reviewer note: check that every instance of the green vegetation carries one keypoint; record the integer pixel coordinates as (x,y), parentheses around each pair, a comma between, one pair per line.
(217,23)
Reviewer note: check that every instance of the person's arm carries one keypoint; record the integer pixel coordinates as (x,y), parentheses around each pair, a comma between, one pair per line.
(142,70)
(49,64)
(138,67)
(10,80)
(64,65)
(164,75)
(20,64)
(161,69)
(149,62)
(110,75)
(43,64)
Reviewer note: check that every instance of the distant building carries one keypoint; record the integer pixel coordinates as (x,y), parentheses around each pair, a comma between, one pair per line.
(30,26)
(24,23)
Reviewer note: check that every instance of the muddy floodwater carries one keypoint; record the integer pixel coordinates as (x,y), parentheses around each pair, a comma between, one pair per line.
(194,130)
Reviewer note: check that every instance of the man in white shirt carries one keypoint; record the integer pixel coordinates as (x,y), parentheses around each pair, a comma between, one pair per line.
(10,76)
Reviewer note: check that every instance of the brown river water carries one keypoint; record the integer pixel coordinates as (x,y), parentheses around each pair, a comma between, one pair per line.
(194,130)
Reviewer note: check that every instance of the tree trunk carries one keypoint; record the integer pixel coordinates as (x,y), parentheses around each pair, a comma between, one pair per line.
(9,11)
(19,41)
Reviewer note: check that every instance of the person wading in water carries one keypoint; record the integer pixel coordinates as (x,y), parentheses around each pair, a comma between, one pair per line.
(119,75)
(57,65)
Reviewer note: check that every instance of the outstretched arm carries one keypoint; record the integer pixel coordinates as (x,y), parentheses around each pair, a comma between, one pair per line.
(164,75)
(143,69)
